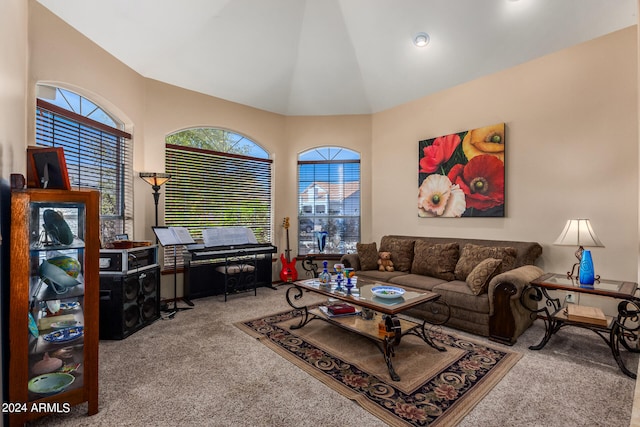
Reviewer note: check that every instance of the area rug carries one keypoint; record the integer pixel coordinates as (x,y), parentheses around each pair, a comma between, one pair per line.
(436,388)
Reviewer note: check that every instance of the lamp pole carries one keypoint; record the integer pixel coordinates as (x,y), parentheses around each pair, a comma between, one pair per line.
(156,180)
(156,199)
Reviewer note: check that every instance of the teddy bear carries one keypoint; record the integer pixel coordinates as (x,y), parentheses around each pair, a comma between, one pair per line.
(384,261)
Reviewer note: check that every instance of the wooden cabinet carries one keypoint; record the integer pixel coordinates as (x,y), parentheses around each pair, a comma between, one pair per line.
(54,302)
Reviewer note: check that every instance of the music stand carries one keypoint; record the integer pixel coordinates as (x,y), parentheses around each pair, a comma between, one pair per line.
(174,236)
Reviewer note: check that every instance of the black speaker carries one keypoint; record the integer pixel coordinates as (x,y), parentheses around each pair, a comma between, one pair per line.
(128,303)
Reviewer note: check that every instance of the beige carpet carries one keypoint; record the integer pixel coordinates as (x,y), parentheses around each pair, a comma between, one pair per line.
(436,388)
(200,370)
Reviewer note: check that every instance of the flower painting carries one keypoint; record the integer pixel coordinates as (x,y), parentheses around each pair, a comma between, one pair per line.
(462,174)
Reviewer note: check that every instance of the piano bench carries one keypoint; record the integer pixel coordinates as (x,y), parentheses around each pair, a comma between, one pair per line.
(235,269)
(236,275)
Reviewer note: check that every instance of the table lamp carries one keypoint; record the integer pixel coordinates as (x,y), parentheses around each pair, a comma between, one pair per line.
(578,232)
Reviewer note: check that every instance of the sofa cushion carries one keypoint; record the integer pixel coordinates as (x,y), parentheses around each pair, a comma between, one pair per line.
(528,252)
(417,281)
(435,259)
(382,276)
(401,252)
(480,276)
(471,255)
(458,294)
(368,254)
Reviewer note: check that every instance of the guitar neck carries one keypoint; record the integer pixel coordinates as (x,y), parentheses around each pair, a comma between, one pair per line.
(288,251)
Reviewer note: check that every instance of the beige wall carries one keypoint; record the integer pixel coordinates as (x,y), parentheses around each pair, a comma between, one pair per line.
(13,84)
(572,152)
(572,140)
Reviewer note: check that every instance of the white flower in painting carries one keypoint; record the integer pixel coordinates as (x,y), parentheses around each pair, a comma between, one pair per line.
(438,197)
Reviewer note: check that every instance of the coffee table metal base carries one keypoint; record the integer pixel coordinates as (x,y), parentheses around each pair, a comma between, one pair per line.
(395,328)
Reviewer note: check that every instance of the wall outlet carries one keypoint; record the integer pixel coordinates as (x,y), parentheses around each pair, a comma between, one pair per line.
(570,298)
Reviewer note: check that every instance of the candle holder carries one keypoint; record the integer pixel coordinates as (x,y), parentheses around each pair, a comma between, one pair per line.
(349,285)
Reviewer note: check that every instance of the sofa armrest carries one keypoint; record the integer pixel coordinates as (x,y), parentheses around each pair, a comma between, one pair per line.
(517,280)
(508,318)
(351,261)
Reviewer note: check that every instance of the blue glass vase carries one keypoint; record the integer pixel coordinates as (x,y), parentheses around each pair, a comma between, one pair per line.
(321,239)
(325,276)
(586,274)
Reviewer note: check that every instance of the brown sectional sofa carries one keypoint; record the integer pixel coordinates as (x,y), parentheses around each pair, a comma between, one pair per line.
(445,265)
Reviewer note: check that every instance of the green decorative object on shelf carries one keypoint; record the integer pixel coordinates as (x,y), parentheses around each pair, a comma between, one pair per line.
(33,327)
(70,265)
(52,383)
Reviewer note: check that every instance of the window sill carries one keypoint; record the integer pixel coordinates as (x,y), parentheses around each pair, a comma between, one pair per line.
(328,257)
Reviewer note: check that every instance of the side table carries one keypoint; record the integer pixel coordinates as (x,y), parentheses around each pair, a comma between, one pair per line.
(622,329)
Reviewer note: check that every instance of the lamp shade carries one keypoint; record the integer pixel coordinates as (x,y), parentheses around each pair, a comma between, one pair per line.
(155,179)
(578,232)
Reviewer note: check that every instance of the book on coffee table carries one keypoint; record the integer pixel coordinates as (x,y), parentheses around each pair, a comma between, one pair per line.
(339,309)
(583,313)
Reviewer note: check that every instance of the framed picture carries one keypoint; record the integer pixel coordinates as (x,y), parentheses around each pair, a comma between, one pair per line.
(47,168)
(462,174)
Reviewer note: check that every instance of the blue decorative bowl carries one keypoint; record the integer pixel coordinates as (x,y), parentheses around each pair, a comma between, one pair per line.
(64,335)
(387,292)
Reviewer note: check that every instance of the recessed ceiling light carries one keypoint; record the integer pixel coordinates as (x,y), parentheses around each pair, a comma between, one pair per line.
(421,39)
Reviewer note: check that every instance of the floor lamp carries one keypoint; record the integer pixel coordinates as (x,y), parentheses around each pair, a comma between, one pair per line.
(155,180)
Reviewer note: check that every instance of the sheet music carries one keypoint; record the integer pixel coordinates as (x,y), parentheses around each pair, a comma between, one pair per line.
(227,236)
(173,236)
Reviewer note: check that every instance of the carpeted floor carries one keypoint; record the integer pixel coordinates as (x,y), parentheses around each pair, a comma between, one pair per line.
(200,370)
(435,388)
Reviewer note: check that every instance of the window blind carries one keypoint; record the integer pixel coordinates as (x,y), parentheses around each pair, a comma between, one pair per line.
(213,189)
(329,200)
(97,156)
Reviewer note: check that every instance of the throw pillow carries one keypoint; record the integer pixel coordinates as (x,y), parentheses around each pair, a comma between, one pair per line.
(435,259)
(482,274)
(471,255)
(368,254)
(401,252)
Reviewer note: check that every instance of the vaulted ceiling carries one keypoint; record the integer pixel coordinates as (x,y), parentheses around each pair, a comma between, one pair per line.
(320,57)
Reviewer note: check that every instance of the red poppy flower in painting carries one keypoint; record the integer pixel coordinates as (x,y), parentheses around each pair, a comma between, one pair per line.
(438,153)
(482,180)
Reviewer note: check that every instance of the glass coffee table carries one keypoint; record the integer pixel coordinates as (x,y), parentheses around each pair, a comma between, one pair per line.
(385,308)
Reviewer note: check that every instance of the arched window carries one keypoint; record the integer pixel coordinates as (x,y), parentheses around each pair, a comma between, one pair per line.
(97,152)
(218,178)
(329,199)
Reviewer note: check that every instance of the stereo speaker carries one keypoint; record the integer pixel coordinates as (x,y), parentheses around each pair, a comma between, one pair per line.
(128,303)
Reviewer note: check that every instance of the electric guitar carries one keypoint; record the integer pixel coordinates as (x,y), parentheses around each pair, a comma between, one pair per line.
(288,272)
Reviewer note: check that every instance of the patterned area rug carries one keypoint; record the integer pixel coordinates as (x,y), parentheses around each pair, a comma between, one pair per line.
(436,388)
